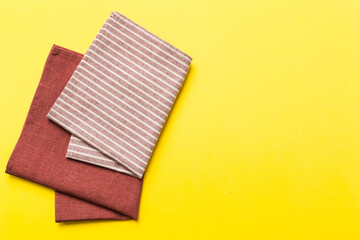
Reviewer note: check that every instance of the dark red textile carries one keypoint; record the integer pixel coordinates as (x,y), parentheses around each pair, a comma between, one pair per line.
(68,208)
(39,156)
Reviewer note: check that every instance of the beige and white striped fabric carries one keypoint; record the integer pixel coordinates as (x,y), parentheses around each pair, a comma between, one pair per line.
(120,95)
(79,150)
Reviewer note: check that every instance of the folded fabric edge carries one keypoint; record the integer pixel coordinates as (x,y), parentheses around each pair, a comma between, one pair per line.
(70,209)
(117,15)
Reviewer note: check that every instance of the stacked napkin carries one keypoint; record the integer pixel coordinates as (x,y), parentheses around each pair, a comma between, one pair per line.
(107,109)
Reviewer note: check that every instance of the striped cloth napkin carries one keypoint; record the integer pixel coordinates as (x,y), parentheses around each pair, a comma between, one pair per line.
(116,102)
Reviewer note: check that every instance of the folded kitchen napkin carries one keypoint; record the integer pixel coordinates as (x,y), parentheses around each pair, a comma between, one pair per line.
(120,95)
(39,156)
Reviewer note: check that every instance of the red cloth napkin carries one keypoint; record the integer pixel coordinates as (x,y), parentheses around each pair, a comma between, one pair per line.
(39,156)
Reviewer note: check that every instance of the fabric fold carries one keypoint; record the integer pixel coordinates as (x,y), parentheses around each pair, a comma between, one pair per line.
(68,209)
(39,156)
(120,95)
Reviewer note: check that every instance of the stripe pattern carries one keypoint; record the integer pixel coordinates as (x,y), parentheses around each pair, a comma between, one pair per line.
(79,150)
(120,95)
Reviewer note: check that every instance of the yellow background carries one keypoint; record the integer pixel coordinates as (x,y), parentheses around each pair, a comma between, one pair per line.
(263,142)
